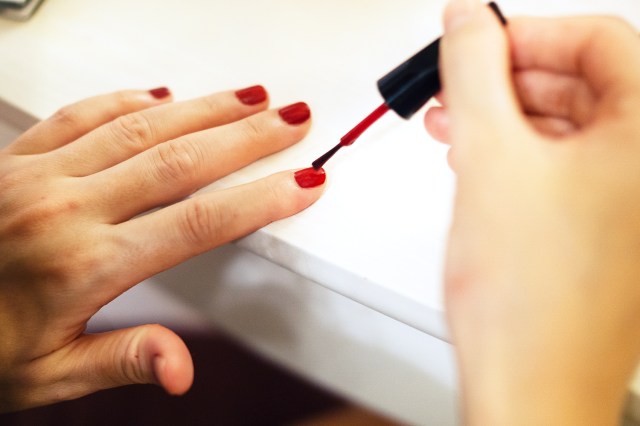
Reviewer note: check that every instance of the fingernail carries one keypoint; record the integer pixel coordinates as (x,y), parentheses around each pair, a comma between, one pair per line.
(160,92)
(296,113)
(252,95)
(310,178)
(458,13)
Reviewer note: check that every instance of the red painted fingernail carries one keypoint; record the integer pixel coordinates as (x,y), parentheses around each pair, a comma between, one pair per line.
(310,178)
(252,95)
(160,92)
(295,114)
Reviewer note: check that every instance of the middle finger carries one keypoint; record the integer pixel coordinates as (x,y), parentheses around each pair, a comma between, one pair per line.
(134,133)
(175,169)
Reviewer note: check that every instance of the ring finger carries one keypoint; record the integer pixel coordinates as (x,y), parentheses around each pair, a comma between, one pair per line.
(134,133)
(75,120)
(177,168)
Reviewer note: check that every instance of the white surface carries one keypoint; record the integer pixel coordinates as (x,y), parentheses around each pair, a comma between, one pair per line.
(378,233)
(377,236)
(370,225)
(332,340)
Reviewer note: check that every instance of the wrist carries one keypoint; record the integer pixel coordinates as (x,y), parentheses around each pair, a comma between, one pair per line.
(508,394)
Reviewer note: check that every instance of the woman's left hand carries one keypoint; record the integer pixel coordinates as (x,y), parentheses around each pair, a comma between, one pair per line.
(72,237)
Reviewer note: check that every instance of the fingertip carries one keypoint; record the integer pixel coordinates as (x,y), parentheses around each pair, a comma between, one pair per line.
(286,196)
(436,122)
(172,365)
(308,186)
(294,121)
(253,95)
(173,374)
(160,93)
(310,177)
(294,191)
(458,12)
(476,70)
(295,114)
(474,47)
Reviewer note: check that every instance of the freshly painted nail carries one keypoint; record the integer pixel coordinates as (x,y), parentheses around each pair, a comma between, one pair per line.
(160,92)
(252,95)
(310,178)
(296,113)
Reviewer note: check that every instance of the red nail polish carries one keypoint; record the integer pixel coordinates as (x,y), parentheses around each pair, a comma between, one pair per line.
(310,178)
(160,92)
(296,113)
(252,95)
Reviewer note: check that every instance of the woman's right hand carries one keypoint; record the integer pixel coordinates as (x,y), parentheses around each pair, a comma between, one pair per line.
(543,265)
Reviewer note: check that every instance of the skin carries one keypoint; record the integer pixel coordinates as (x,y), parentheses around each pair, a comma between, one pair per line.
(542,275)
(72,238)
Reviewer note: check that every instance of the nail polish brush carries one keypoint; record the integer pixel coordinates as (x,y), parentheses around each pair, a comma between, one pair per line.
(405,90)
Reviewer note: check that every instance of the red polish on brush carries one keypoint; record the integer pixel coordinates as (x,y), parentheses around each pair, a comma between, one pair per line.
(352,135)
(405,90)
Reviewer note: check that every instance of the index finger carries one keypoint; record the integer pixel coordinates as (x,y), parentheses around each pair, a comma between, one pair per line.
(171,235)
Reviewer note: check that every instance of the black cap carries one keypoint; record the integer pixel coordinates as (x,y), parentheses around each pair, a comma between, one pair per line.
(409,86)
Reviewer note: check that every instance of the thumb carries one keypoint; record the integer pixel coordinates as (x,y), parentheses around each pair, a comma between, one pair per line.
(476,72)
(144,354)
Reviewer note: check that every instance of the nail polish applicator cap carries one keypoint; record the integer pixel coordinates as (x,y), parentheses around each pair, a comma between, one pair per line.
(405,90)
(411,84)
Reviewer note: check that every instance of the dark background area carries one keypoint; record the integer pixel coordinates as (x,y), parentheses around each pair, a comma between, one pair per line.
(232,386)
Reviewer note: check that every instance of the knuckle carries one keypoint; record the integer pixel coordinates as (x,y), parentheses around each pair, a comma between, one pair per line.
(74,268)
(12,181)
(130,368)
(274,199)
(40,216)
(254,129)
(67,116)
(212,105)
(278,202)
(55,250)
(202,223)
(134,130)
(178,159)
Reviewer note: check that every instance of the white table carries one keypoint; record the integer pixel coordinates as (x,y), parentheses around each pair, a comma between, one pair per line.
(347,293)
